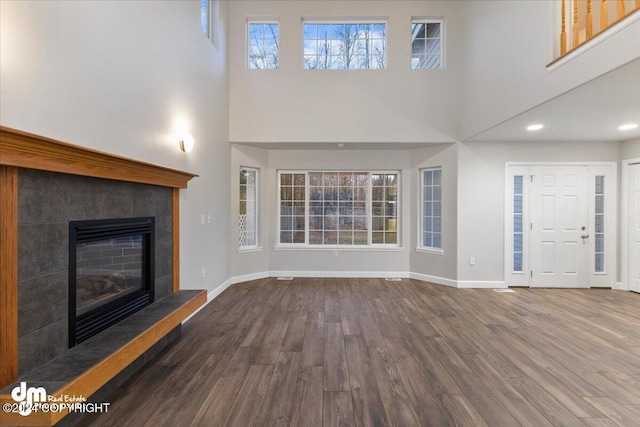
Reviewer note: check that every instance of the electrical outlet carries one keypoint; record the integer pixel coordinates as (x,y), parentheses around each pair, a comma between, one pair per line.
(208,219)
(202,219)
(335,254)
(203,273)
(472,261)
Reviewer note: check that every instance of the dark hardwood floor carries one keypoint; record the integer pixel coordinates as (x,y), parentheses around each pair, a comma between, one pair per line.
(367,352)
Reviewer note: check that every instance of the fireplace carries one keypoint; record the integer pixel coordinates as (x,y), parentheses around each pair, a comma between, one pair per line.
(111,267)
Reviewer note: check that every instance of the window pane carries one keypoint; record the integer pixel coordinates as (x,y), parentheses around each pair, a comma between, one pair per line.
(426,45)
(599,224)
(432,208)
(517,223)
(248,196)
(263,45)
(344,46)
(204,16)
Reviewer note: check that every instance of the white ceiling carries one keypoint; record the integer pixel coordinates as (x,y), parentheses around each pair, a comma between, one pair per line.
(591,112)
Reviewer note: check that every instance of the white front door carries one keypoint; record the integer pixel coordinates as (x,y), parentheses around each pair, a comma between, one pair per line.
(634,227)
(559,220)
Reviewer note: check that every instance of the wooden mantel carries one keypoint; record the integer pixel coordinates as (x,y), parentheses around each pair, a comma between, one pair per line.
(26,150)
(20,149)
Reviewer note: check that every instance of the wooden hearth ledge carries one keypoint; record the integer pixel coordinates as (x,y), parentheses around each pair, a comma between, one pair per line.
(85,368)
(24,150)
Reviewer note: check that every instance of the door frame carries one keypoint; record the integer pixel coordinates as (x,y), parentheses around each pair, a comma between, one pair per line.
(625,282)
(609,171)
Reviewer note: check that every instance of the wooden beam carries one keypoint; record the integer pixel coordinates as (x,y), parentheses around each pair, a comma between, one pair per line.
(8,275)
(176,240)
(31,151)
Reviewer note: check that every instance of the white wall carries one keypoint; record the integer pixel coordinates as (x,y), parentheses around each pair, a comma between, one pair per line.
(253,262)
(481,174)
(295,105)
(443,265)
(348,260)
(123,77)
(507,45)
(631,149)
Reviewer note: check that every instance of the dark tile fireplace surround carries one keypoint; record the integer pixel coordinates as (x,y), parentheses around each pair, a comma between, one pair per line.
(47,202)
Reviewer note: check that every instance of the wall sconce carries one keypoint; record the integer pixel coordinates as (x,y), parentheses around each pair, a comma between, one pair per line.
(186,143)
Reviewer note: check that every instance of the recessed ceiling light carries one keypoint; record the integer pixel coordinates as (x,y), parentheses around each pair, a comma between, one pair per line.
(628,126)
(536,126)
(341,145)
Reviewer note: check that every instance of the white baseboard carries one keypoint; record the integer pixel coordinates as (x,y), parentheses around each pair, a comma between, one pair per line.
(211,295)
(619,286)
(434,279)
(249,277)
(347,274)
(471,284)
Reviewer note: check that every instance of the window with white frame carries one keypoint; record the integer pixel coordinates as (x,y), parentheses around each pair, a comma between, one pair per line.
(599,224)
(426,44)
(431,208)
(248,209)
(341,208)
(339,45)
(263,38)
(518,232)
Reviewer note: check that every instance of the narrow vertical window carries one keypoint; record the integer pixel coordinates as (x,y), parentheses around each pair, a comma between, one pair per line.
(248,212)
(292,207)
(599,225)
(426,44)
(517,223)
(204,16)
(263,45)
(384,208)
(432,208)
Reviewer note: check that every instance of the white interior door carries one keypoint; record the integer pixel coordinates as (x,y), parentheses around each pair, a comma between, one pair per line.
(634,227)
(559,220)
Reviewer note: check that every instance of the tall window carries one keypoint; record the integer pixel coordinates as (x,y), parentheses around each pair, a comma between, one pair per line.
(204,16)
(517,223)
(248,212)
(599,225)
(384,208)
(426,44)
(338,208)
(432,208)
(344,45)
(263,45)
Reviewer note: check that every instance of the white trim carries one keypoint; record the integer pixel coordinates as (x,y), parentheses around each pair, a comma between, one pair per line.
(618,286)
(596,40)
(347,274)
(434,279)
(429,251)
(211,295)
(625,272)
(471,284)
(371,248)
(249,277)
(248,249)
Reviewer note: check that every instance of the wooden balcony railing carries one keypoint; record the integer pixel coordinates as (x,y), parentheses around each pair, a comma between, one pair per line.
(582,15)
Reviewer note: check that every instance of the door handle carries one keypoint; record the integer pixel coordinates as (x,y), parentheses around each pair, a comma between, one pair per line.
(585,236)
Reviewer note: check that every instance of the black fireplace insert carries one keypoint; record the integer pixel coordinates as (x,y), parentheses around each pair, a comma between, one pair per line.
(110,272)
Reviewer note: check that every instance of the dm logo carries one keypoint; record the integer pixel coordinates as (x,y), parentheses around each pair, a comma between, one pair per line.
(26,397)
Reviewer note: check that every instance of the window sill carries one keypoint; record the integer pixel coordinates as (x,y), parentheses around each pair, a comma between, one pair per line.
(250,249)
(339,248)
(430,251)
